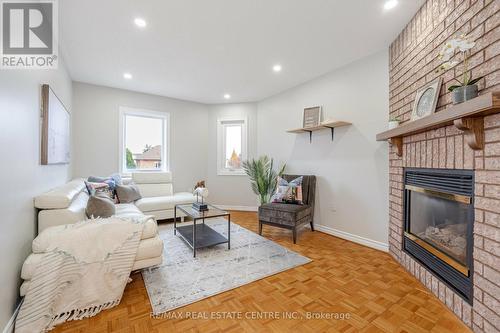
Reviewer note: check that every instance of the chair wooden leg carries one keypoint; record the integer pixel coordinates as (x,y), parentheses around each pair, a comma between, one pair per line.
(294,230)
(260,228)
(312,226)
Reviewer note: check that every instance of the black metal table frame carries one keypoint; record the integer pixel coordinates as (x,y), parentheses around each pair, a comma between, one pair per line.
(228,241)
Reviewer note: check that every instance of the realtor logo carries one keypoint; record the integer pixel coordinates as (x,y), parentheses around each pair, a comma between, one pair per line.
(29,34)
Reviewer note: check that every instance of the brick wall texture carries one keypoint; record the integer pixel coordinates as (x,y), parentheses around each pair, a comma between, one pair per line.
(413,60)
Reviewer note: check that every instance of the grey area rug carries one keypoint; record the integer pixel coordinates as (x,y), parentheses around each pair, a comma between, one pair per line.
(182,279)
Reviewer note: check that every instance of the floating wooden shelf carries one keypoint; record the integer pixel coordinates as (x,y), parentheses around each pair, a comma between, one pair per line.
(467,116)
(324,125)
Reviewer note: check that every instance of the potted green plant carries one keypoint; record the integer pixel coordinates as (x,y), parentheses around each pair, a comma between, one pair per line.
(394,122)
(461,47)
(263,177)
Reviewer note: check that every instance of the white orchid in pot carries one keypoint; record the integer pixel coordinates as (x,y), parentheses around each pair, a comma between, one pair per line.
(461,47)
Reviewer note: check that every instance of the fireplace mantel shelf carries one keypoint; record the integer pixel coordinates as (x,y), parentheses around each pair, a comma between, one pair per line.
(467,116)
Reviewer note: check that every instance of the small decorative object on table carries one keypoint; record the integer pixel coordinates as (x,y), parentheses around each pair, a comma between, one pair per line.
(312,117)
(201,183)
(426,100)
(467,87)
(203,193)
(393,122)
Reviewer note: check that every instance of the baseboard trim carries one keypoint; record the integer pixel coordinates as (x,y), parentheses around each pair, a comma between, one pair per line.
(353,238)
(9,328)
(240,208)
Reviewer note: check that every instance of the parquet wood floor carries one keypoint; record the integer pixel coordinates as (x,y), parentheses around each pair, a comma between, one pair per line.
(344,278)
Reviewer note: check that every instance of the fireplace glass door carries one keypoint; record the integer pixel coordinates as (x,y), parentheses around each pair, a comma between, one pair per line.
(441,220)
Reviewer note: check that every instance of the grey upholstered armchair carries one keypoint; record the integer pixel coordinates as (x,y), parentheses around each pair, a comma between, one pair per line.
(291,216)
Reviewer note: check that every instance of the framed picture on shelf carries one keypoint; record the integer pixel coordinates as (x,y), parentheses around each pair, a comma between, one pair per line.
(55,145)
(426,100)
(312,117)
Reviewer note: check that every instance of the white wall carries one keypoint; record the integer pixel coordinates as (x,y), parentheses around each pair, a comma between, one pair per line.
(96,132)
(21,175)
(231,190)
(352,170)
(193,138)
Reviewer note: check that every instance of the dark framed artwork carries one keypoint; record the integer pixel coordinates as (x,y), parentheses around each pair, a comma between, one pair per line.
(55,129)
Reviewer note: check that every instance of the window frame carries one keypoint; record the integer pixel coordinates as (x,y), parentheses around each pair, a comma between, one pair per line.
(221,144)
(165,153)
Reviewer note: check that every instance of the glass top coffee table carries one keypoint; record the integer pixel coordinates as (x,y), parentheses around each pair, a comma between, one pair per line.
(198,235)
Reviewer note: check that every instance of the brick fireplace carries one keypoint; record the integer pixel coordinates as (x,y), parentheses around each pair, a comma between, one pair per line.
(412,64)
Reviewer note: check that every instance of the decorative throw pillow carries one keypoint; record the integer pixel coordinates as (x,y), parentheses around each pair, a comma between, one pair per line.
(112,181)
(100,205)
(289,192)
(128,193)
(99,188)
(117,178)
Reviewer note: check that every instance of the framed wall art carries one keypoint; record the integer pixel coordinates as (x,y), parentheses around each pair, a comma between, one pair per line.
(312,117)
(426,100)
(55,141)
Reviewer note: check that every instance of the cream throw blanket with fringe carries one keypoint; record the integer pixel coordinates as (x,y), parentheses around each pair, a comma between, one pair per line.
(83,272)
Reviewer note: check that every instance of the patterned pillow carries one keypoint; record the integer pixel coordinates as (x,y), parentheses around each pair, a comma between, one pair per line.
(113,180)
(108,180)
(94,188)
(289,192)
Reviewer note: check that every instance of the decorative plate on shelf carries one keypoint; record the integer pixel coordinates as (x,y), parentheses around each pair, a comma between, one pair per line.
(426,100)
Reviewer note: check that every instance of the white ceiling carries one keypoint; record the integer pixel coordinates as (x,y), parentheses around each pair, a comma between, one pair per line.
(199,50)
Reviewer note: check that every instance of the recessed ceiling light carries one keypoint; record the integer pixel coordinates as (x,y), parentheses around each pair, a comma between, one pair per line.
(127,76)
(227,96)
(141,23)
(390,4)
(277,68)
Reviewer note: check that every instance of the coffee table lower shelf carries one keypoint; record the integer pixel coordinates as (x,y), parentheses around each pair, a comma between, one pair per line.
(205,236)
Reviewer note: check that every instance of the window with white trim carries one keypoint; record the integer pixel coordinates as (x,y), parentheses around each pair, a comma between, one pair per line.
(231,146)
(143,140)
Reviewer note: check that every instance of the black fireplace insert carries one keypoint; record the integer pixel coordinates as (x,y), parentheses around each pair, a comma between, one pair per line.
(439,217)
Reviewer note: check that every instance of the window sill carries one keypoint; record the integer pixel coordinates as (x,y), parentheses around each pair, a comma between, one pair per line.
(231,173)
(130,172)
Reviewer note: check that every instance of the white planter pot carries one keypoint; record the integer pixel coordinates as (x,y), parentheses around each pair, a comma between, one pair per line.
(393,124)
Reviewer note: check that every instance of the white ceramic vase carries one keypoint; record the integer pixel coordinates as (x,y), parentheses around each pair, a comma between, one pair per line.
(393,124)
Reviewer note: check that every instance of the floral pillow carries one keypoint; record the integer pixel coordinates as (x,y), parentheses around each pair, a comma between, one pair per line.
(95,188)
(289,192)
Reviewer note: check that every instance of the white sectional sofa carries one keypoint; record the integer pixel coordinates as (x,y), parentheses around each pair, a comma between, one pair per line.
(158,197)
(66,205)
